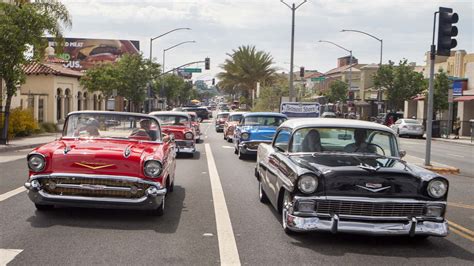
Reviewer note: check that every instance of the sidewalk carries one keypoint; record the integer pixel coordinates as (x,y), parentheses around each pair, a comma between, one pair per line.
(28,142)
(462,140)
(435,166)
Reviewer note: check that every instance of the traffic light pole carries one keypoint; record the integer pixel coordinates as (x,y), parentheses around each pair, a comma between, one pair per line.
(429,113)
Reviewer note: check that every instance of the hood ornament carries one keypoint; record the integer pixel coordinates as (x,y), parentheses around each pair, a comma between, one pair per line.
(127,152)
(368,167)
(373,187)
(67,149)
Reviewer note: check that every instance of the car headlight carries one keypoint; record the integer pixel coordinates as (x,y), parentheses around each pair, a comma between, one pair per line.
(437,188)
(152,168)
(36,162)
(188,135)
(307,184)
(245,136)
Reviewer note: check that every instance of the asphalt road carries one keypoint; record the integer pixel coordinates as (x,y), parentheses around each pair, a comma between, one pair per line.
(450,153)
(196,215)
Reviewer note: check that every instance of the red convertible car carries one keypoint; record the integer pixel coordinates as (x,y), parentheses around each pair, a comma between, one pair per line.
(125,164)
(179,125)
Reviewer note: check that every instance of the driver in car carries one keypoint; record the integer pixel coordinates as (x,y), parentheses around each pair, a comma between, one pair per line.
(360,144)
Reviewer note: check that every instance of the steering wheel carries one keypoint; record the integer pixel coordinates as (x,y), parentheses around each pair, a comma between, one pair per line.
(378,146)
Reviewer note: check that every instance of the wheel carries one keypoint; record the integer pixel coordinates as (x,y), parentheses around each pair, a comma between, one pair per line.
(44,207)
(236,151)
(171,187)
(161,209)
(261,194)
(241,155)
(284,213)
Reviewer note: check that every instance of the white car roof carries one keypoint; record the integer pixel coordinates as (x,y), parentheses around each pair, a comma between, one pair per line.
(333,122)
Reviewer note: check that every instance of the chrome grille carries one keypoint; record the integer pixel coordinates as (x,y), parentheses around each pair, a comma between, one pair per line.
(93,187)
(373,209)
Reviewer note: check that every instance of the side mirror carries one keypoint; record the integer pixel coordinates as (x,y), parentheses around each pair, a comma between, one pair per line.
(402,153)
(168,138)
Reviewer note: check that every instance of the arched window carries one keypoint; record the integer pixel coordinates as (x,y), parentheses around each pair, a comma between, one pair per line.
(59,104)
(67,101)
(86,101)
(100,102)
(95,102)
(79,101)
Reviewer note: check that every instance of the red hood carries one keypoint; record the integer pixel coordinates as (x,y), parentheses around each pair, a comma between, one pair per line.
(99,156)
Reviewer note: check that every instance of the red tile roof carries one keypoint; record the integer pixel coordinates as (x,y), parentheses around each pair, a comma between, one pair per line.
(47,69)
(355,67)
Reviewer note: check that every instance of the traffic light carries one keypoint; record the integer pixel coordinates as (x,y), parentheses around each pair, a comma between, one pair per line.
(213,81)
(207,63)
(301,72)
(446,30)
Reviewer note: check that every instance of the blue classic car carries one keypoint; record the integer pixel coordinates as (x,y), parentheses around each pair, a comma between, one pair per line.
(253,129)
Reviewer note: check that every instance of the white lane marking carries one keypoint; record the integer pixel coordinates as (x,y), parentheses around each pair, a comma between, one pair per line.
(229,255)
(227,147)
(456,155)
(9,158)
(7,255)
(12,193)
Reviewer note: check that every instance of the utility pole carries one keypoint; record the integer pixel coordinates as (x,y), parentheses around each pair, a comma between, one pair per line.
(293,8)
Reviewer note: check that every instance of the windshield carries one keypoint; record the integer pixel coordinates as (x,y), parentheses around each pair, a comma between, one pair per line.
(411,121)
(344,140)
(224,116)
(235,118)
(100,125)
(263,121)
(172,120)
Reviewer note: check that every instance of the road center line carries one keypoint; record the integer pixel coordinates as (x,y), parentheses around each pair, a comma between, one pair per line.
(7,255)
(12,193)
(229,255)
(456,155)
(460,205)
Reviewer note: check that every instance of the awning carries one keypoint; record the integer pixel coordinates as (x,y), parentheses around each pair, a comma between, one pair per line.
(464,98)
(419,98)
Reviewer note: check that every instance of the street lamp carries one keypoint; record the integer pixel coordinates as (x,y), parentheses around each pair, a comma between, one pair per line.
(293,8)
(163,66)
(159,36)
(379,94)
(350,60)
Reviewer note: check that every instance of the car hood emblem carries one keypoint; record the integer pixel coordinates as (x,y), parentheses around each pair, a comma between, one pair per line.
(93,166)
(373,187)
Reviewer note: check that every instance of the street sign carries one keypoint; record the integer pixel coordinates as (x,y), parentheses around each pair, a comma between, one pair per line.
(192,70)
(318,79)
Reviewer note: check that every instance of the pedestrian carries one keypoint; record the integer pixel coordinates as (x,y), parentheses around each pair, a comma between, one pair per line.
(457,127)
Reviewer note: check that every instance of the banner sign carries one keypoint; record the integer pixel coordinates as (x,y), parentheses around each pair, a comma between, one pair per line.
(295,109)
(457,87)
(82,54)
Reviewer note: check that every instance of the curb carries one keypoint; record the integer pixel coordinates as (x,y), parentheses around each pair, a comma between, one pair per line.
(447,141)
(442,170)
(20,147)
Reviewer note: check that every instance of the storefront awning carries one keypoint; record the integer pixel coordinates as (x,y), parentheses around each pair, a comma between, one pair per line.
(464,98)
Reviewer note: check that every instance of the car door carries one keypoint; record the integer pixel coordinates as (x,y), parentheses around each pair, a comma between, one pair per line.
(279,148)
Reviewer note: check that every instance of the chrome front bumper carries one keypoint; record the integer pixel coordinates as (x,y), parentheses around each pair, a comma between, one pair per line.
(302,221)
(335,225)
(250,147)
(185,146)
(152,199)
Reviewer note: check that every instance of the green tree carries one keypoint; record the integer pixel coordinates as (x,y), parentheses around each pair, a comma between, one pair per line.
(173,86)
(103,78)
(270,96)
(244,68)
(441,89)
(24,25)
(401,82)
(337,92)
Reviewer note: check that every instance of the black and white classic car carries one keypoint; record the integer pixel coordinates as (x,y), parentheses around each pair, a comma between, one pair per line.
(347,176)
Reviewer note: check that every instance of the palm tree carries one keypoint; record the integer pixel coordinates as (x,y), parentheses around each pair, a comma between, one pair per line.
(244,68)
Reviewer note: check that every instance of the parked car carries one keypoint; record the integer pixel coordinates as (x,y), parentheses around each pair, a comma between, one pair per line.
(201,112)
(106,165)
(390,118)
(179,125)
(229,125)
(328,115)
(408,127)
(253,129)
(221,118)
(347,176)
(195,123)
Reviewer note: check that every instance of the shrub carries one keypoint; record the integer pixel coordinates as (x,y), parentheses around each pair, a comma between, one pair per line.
(22,123)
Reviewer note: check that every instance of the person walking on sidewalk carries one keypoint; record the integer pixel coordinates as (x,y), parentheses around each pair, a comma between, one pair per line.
(457,127)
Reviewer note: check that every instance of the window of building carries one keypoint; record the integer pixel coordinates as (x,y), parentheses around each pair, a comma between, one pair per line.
(40,110)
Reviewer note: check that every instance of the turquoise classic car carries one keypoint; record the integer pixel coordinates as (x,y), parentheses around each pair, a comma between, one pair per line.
(253,129)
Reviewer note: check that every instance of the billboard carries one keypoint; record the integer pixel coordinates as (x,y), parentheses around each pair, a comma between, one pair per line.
(296,109)
(82,53)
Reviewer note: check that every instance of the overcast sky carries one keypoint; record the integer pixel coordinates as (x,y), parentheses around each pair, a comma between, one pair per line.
(219,26)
